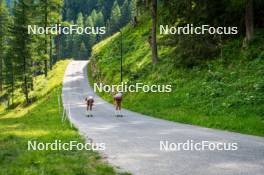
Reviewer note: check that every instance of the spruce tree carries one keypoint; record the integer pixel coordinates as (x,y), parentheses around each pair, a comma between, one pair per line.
(78,37)
(82,51)
(114,21)
(100,19)
(154,48)
(22,44)
(126,13)
(9,76)
(89,39)
(4,20)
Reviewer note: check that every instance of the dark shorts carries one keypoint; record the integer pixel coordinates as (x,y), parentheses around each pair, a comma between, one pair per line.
(118,99)
(90,102)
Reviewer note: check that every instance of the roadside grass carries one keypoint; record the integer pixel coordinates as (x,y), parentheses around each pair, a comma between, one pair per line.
(225,93)
(42,86)
(41,122)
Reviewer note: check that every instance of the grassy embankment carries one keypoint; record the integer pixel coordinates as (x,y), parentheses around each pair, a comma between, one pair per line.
(41,122)
(225,93)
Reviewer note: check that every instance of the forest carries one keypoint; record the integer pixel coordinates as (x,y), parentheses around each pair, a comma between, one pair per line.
(217,80)
(24,56)
(214,80)
(148,55)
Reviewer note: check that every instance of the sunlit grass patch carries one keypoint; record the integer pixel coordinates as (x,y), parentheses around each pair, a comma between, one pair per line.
(41,122)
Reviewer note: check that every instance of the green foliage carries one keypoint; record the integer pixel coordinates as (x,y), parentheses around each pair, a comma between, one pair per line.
(100,20)
(79,21)
(125,13)
(8,78)
(224,92)
(110,14)
(133,8)
(83,51)
(114,21)
(4,22)
(46,13)
(24,56)
(21,45)
(41,122)
(193,50)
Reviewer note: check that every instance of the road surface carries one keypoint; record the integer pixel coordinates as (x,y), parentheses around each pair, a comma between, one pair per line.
(133,142)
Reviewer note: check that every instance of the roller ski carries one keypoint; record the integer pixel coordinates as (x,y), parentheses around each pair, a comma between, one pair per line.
(118,114)
(89,114)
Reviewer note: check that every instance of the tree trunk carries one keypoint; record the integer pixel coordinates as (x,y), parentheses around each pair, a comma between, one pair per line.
(31,78)
(1,74)
(154,31)
(46,67)
(249,20)
(25,65)
(1,61)
(134,21)
(12,94)
(25,78)
(50,53)
(58,42)
(46,38)
(58,45)
(26,88)
(146,4)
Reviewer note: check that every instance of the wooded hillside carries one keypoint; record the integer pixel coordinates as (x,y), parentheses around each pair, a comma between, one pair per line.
(217,80)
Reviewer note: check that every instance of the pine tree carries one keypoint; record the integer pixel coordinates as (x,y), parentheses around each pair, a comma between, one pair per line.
(4,20)
(114,21)
(249,20)
(44,4)
(55,18)
(77,37)
(94,16)
(126,13)
(82,51)
(154,32)
(133,8)
(79,20)
(9,76)
(51,10)
(21,45)
(100,20)
(89,39)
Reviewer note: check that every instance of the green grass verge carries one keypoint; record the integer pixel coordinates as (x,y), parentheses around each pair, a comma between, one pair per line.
(225,93)
(41,122)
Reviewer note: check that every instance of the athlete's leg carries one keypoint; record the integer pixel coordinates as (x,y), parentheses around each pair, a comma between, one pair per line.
(116,104)
(120,105)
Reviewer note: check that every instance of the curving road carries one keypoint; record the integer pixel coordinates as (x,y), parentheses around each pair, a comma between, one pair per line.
(133,142)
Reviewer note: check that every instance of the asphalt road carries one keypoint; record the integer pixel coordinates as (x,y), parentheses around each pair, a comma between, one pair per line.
(133,141)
